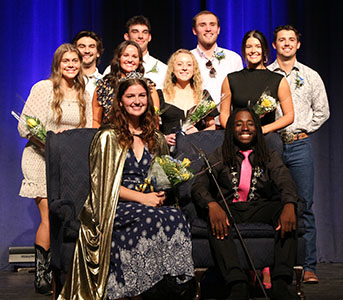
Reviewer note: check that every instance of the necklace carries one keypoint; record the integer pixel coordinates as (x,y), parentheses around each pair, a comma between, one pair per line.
(136,132)
(257,172)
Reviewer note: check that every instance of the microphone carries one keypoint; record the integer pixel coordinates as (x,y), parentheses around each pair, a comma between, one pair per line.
(204,157)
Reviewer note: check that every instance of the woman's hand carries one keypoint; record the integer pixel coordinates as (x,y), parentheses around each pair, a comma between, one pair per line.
(153,199)
(150,199)
(60,130)
(191,129)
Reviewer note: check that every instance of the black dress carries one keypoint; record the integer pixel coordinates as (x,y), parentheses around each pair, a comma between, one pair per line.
(248,85)
(172,116)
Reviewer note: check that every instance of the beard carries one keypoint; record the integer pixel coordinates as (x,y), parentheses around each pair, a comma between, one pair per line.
(244,146)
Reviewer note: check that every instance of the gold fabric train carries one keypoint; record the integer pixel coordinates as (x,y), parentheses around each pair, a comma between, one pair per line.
(87,278)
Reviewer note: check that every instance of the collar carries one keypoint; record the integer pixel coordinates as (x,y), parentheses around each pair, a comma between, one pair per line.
(276,67)
(202,54)
(146,57)
(96,74)
(238,151)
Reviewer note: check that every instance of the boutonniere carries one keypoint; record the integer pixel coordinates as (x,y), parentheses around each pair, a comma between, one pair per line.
(154,69)
(299,81)
(219,55)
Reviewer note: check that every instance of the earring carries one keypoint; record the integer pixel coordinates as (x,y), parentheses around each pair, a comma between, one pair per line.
(174,79)
(265,60)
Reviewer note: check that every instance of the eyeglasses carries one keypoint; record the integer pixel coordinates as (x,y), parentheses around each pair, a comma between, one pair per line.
(213,71)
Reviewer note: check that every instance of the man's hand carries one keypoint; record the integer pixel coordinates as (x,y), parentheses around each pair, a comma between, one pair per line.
(171,139)
(218,219)
(287,221)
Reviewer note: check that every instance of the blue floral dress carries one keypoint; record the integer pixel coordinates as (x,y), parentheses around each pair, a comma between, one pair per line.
(106,94)
(148,243)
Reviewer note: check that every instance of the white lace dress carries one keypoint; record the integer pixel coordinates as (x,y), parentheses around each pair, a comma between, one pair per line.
(38,105)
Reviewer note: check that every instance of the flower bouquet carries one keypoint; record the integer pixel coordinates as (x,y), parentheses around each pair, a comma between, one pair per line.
(35,127)
(165,173)
(265,104)
(200,111)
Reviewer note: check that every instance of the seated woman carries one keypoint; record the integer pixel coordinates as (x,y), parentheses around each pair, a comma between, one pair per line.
(182,91)
(128,241)
(127,58)
(245,87)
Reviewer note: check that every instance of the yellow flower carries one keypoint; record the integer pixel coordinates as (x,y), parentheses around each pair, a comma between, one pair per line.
(32,122)
(186,162)
(266,103)
(185,176)
(157,111)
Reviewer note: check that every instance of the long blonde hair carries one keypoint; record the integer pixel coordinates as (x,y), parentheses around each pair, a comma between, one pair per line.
(196,81)
(56,77)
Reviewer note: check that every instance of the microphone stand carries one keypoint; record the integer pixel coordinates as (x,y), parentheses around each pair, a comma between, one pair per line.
(204,157)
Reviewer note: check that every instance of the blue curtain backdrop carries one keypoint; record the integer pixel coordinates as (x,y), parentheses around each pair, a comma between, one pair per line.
(32,30)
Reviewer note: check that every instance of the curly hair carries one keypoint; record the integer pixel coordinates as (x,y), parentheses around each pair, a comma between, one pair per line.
(196,80)
(228,149)
(148,119)
(95,37)
(56,77)
(116,71)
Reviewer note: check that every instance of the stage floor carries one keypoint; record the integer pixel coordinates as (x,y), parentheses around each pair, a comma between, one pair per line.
(19,285)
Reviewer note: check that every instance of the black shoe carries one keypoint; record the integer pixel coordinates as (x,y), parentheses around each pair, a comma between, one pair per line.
(43,274)
(279,290)
(239,290)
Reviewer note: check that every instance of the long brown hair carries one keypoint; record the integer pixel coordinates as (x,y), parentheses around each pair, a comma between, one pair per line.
(169,85)
(116,70)
(56,77)
(147,120)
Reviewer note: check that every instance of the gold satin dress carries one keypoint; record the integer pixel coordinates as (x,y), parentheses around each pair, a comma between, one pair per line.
(149,257)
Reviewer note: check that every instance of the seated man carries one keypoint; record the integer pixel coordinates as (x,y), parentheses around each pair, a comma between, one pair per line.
(258,189)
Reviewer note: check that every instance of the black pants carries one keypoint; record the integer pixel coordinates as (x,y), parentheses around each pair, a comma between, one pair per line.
(225,252)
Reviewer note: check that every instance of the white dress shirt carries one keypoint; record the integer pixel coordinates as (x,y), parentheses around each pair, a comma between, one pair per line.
(230,62)
(91,81)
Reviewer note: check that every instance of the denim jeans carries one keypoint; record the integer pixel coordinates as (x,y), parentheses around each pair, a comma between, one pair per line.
(274,142)
(298,158)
